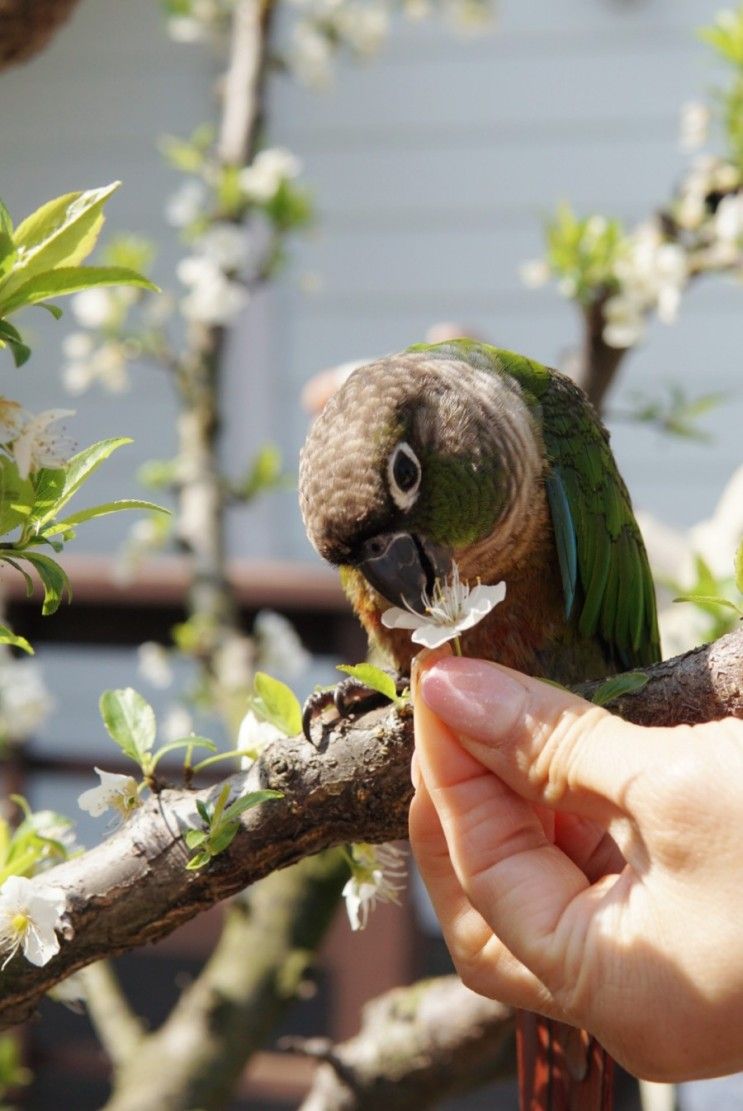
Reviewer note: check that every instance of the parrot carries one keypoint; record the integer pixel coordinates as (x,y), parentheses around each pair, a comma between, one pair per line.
(461,455)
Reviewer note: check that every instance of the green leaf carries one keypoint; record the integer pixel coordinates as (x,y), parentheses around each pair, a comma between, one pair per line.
(705,600)
(62,232)
(203,812)
(53,310)
(130,721)
(78,470)
(198,861)
(277,703)
(373,678)
(70,279)
(103,510)
(53,579)
(223,837)
(9,335)
(247,802)
(16,496)
(739,567)
(7,636)
(619,685)
(6,223)
(195,837)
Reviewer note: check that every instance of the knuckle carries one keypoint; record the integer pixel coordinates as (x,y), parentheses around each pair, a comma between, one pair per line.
(561,746)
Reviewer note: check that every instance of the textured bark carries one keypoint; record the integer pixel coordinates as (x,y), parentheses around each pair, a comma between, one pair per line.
(354,786)
(267,944)
(135,888)
(417,1045)
(26,26)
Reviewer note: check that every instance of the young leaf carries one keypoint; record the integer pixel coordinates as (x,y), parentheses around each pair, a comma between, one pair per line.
(78,470)
(619,685)
(16,496)
(278,703)
(62,232)
(198,861)
(101,511)
(203,812)
(53,579)
(7,636)
(11,337)
(70,279)
(247,802)
(130,721)
(195,837)
(373,678)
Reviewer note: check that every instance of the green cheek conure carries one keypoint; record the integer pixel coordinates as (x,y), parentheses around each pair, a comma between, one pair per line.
(463,454)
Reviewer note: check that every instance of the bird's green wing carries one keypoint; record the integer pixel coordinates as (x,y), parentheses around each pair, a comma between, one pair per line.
(606,578)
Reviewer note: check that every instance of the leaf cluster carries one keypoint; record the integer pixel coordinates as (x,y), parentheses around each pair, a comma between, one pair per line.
(584,251)
(220,824)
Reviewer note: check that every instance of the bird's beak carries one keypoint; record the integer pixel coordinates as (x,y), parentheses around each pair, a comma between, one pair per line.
(402,567)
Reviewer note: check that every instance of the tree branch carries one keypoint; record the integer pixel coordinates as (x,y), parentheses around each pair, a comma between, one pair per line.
(354,786)
(416,1046)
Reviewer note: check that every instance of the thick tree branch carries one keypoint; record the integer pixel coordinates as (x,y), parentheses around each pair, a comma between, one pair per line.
(416,1046)
(354,786)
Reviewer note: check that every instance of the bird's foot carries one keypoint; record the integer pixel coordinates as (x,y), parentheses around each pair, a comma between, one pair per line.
(349,698)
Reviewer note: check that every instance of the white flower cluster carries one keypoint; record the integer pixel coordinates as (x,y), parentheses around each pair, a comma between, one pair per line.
(115,792)
(451,609)
(29,919)
(24,699)
(652,273)
(377,872)
(87,363)
(29,440)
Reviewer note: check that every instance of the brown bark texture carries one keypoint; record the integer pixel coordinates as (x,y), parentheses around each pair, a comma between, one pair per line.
(352,785)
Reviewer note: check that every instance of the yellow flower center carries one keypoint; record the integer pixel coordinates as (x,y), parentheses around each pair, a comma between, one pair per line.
(19,923)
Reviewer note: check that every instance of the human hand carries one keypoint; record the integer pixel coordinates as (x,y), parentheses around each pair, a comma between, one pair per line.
(585,868)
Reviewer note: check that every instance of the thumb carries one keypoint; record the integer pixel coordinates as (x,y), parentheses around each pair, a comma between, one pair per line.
(548,745)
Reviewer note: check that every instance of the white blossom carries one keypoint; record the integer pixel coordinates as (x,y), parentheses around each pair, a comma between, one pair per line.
(535,273)
(728,223)
(363,26)
(260,180)
(279,646)
(116,792)
(451,608)
(624,321)
(186,29)
(94,308)
(233,661)
(176,724)
(38,447)
(24,699)
(29,917)
(311,56)
(12,419)
(107,364)
(224,244)
(254,735)
(153,662)
(376,875)
(695,121)
(213,299)
(77,345)
(186,204)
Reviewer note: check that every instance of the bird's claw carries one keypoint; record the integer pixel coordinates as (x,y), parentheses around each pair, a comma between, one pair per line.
(349,697)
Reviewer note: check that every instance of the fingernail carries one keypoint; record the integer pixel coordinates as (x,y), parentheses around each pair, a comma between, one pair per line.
(415,771)
(473,696)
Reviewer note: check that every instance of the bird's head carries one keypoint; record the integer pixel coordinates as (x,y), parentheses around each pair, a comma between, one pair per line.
(417,461)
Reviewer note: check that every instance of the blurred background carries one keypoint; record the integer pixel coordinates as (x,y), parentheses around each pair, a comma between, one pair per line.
(433,169)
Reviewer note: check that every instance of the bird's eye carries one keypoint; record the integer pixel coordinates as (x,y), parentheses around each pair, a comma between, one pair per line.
(404,475)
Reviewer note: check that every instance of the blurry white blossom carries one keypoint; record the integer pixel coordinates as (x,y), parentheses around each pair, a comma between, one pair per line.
(213,298)
(260,180)
(624,321)
(233,662)
(226,245)
(37,446)
(311,55)
(362,26)
(176,724)
(377,872)
(153,662)
(695,121)
(24,699)
(94,308)
(186,29)
(280,651)
(29,917)
(254,735)
(652,274)
(672,555)
(115,792)
(186,204)
(728,222)
(107,364)
(535,273)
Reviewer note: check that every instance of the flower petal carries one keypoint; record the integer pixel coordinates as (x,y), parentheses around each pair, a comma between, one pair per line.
(397,618)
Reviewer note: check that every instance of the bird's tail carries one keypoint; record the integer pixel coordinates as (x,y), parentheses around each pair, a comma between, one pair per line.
(561,1068)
